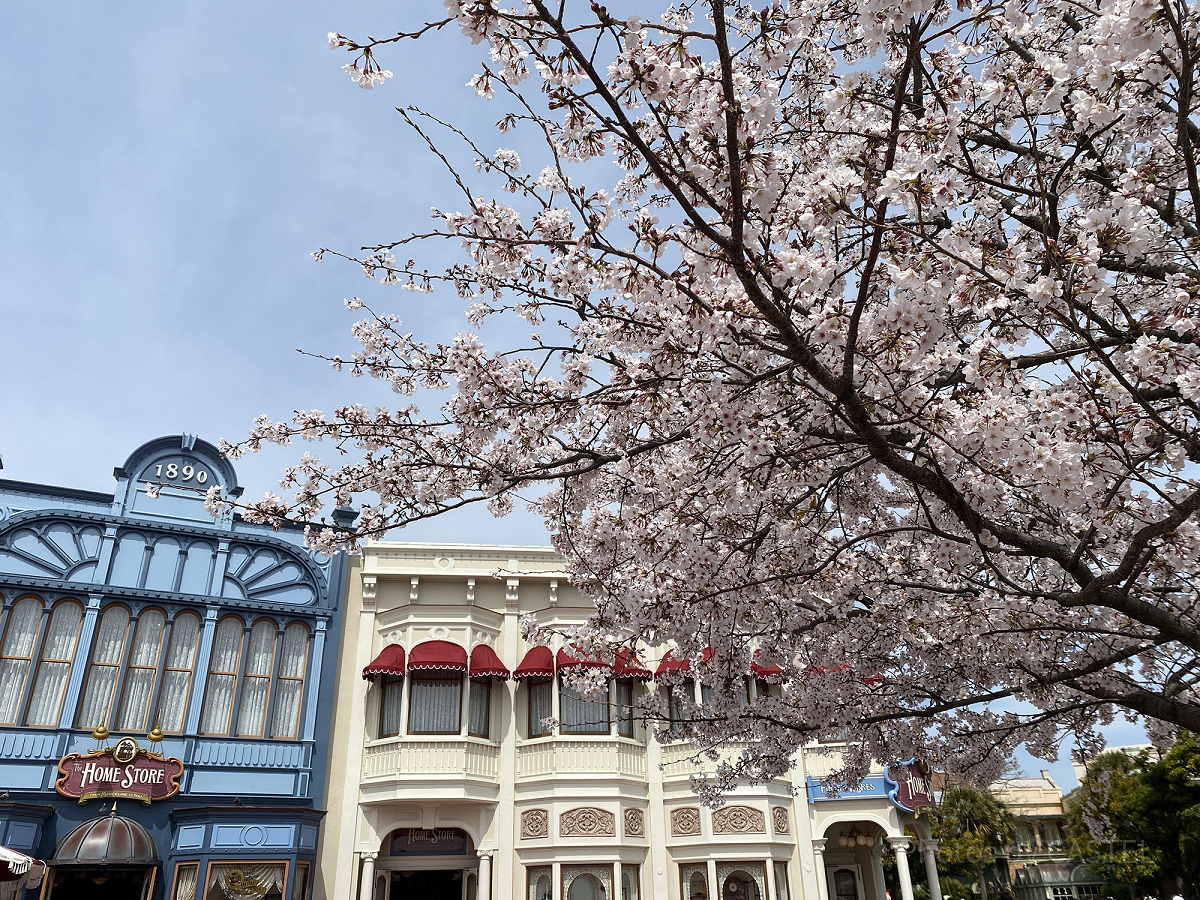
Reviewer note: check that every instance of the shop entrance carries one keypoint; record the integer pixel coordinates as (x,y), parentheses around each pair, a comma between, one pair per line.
(100,884)
(427,885)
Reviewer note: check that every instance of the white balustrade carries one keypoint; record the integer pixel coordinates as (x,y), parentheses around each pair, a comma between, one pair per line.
(823,760)
(604,757)
(453,757)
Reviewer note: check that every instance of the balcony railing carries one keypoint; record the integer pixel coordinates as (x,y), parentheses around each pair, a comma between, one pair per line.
(601,757)
(823,760)
(452,757)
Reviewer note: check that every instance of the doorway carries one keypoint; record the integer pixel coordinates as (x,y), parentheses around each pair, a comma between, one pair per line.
(100,884)
(436,884)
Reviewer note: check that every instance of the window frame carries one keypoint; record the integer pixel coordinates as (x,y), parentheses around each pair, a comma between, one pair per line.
(277,676)
(235,673)
(119,666)
(164,668)
(485,683)
(244,677)
(619,685)
(425,676)
(128,665)
(536,729)
(40,620)
(389,685)
(43,637)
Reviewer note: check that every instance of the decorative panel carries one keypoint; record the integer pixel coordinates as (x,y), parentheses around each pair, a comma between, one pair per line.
(739,820)
(635,823)
(779,819)
(265,573)
(685,822)
(51,548)
(587,821)
(535,823)
(189,837)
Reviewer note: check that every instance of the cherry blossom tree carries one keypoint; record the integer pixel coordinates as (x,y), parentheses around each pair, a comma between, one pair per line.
(863,354)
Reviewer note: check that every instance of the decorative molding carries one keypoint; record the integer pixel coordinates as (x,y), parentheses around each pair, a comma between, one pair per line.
(779,819)
(635,823)
(898,842)
(587,821)
(369,586)
(414,589)
(535,823)
(471,591)
(554,592)
(510,592)
(739,820)
(685,822)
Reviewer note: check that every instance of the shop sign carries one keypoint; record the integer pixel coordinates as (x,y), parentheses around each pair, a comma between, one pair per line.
(429,842)
(123,771)
(911,788)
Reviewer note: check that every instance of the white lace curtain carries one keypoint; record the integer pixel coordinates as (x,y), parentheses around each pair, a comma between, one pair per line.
(106,665)
(389,705)
(23,621)
(55,665)
(248,881)
(434,704)
(256,685)
(479,707)
(541,706)
(580,714)
(222,676)
(289,682)
(185,882)
(177,674)
(139,676)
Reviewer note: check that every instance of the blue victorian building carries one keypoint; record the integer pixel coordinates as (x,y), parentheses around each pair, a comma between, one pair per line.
(165,687)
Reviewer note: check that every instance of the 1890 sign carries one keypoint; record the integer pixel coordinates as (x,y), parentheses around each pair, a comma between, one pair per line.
(124,771)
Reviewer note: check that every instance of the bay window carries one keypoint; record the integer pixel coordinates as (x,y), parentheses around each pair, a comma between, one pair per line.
(624,706)
(541,705)
(583,715)
(390,700)
(480,707)
(434,703)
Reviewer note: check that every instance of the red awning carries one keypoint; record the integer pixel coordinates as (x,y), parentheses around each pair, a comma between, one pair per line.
(538,663)
(484,661)
(629,666)
(389,662)
(444,655)
(671,664)
(763,671)
(567,661)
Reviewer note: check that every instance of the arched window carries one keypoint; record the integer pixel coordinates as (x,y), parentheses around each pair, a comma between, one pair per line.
(739,886)
(256,684)
(289,682)
(50,683)
(16,655)
(138,689)
(222,676)
(107,653)
(177,673)
(585,887)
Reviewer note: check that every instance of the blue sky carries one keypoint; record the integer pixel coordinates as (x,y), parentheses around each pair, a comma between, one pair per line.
(166,170)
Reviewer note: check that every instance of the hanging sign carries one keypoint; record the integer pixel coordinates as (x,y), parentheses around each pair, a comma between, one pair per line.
(123,771)
(911,788)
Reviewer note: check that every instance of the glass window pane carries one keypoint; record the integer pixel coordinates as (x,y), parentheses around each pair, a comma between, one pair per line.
(583,715)
(624,703)
(629,883)
(480,707)
(539,882)
(107,654)
(142,670)
(541,705)
(289,682)
(222,676)
(781,881)
(177,673)
(58,651)
(389,705)
(16,654)
(434,705)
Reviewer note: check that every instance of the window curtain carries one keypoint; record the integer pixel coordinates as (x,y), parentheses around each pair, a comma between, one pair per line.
(256,685)
(57,652)
(106,665)
(478,717)
(247,880)
(289,682)
(624,701)
(300,883)
(177,676)
(16,654)
(541,706)
(434,704)
(580,714)
(185,882)
(389,705)
(143,666)
(222,676)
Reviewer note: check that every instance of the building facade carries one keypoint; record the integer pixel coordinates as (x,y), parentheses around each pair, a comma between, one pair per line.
(448,783)
(163,720)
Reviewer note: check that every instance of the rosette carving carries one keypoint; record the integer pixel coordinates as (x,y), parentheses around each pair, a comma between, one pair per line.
(779,819)
(739,820)
(535,823)
(587,821)
(635,823)
(685,821)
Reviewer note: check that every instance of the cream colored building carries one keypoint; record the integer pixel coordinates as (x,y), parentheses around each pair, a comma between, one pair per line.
(442,784)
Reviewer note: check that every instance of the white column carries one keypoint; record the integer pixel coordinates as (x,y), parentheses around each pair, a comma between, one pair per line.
(714,889)
(900,845)
(929,852)
(556,881)
(367,889)
(772,891)
(875,854)
(484,891)
(616,891)
(818,845)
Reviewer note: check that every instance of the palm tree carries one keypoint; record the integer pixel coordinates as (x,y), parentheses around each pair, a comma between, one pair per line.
(968,824)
